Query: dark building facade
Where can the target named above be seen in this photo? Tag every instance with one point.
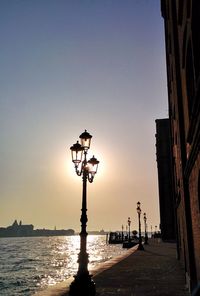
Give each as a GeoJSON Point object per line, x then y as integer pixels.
{"type": "Point", "coordinates": [182, 39]}
{"type": "Point", "coordinates": [164, 165]}
{"type": "Point", "coordinates": [21, 230]}
{"type": "Point", "coordinates": [17, 229]}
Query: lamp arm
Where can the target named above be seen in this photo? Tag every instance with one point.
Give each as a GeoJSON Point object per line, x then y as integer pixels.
{"type": "Point", "coordinates": [79, 172]}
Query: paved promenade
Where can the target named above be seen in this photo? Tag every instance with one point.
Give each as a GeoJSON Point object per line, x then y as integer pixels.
{"type": "Point", "coordinates": [152, 272]}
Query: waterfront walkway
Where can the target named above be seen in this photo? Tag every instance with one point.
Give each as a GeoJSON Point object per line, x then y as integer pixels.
{"type": "Point", "coordinates": [152, 272]}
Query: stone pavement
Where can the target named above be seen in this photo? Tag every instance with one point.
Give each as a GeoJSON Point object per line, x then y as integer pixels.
{"type": "Point", "coordinates": [152, 272]}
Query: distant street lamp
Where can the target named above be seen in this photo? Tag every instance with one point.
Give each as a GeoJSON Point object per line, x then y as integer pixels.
{"type": "Point", "coordinates": [122, 232]}
{"type": "Point", "coordinates": [129, 224]}
{"type": "Point", "coordinates": [145, 229]}
{"type": "Point", "coordinates": [83, 284]}
{"type": "Point", "coordinates": [140, 247]}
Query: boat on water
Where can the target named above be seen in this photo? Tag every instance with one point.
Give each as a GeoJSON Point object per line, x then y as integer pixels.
{"type": "Point", "coordinates": [125, 240]}
{"type": "Point", "coordinates": [115, 238]}
{"type": "Point", "coordinates": [129, 244]}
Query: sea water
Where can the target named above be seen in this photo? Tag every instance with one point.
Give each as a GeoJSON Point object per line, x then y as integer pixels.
{"type": "Point", "coordinates": [30, 264]}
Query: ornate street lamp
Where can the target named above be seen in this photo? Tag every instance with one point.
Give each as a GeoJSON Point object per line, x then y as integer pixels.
{"type": "Point", "coordinates": [145, 229]}
{"type": "Point", "coordinates": [140, 247]}
{"type": "Point", "coordinates": [129, 224]}
{"type": "Point", "coordinates": [122, 232]}
{"type": "Point", "coordinates": [83, 284]}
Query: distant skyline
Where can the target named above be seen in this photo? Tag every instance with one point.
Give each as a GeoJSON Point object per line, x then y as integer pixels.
{"type": "Point", "coordinates": [67, 66]}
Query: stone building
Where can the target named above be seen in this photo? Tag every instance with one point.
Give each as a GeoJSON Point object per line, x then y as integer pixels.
{"type": "Point", "coordinates": [17, 230]}
{"type": "Point", "coordinates": [164, 165]}
{"type": "Point", "coordinates": [182, 39]}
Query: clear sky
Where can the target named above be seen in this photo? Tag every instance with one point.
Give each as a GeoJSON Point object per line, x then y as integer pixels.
{"type": "Point", "coordinates": [67, 66]}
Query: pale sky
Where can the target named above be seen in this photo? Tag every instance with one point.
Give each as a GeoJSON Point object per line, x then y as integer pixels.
{"type": "Point", "coordinates": [67, 66]}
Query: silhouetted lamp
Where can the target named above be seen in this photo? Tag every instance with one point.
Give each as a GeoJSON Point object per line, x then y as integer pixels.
{"type": "Point", "coordinates": [85, 138]}
{"type": "Point", "coordinates": [122, 232]}
{"type": "Point", "coordinates": [129, 224]}
{"type": "Point", "coordinates": [83, 284]}
{"type": "Point", "coordinates": [139, 211]}
{"type": "Point", "coordinates": [145, 230]}
{"type": "Point", "coordinates": [77, 152]}
{"type": "Point", "coordinates": [92, 166]}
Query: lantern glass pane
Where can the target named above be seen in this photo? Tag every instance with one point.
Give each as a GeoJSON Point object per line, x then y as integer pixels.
{"type": "Point", "coordinates": [76, 156]}
{"type": "Point", "coordinates": [94, 168]}
{"type": "Point", "coordinates": [86, 143]}
{"type": "Point", "coordinates": [85, 138]}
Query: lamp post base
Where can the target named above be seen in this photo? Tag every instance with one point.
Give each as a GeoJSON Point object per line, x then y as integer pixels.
{"type": "Point", "coordinates": [140, 247]}
{"type": "Point", "coordinates": [82, 285]}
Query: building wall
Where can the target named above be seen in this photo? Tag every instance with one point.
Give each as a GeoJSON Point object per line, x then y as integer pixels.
{"type": "Point", "coordinates": [182, 39]}
{"type": "Point", "coordinates": [164, 165]}
{"type": "Point", "coordinates": [194, 188]}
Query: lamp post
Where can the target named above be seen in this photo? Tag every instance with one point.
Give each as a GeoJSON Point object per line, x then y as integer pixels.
{"type": "Point", "coordinates": [83, 284]}
{"type": "Point", "coordinates": [122, 232]}
{"type": "Point", "coordinates": [129, 224]}
{"type": "Point", "coordinates": [145, 229]}
{"type": "Point", "coordinates": [140, 247]}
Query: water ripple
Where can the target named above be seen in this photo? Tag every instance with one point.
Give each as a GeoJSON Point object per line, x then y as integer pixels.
{"type": "Point", "coordinates": [31, 264]}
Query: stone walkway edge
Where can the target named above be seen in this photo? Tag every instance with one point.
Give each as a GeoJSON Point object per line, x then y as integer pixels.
{"type": "Point", "coordinates": [63, 287]}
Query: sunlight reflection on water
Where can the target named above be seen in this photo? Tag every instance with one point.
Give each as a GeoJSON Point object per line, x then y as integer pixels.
{"type": "Point", "coordinates": [32, 263]}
